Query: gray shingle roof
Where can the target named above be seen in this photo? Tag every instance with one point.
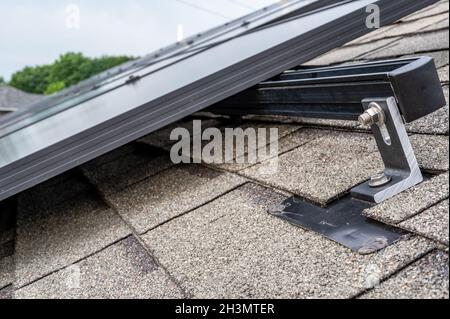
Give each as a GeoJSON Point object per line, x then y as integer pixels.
{"type": "Point", "coordinates": [12, 98]}
{"type": "Point", "coordinates": [132, 224]}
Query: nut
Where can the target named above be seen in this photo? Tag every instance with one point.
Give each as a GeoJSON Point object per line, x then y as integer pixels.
{"type": "Point", "coordinates": [373, 115]}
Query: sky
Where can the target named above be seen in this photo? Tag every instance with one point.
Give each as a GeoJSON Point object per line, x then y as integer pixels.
{"type": "Point", "coordinates": [37, 32]}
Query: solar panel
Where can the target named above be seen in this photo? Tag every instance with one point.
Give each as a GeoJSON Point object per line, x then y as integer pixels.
{"type": "Point", "coordinates": [128, 102]}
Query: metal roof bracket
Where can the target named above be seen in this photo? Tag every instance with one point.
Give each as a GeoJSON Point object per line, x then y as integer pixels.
{"type": "Point", "coordinates": [401, 167]}
{"type": "Point", "coordinates": [342, 220]}
{"type": "Point", "coordinates": [382, 94]}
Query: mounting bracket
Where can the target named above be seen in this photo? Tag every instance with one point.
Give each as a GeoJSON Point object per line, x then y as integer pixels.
{"type": "Point", "coordinates": [343, 221]}
{"type": "Point", "coordinates": [392, 92]}
{"type": "Point", "coordinates": [401, 167]}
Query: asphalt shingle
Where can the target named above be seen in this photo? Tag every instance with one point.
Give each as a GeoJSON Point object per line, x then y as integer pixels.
{"type": "Point", "coordinates": [140, 162]}
{"type": "Point", "coordinates": [242, 154]}
{"type": "Point", "coordinates": [403, 28]}
{"type": "Point", "coordinates": [443, 24]}
{"type": "Point", "coordinates": [285, 144]}
{"type": "Point", "coordinates": [440, 57]}
{"type": "Point", "coordinates": [325, 168]}
{"type": "Point", "coordinates": [171, 193]}
{"type": "Point", "coordinates": [54, 191]}
{"type": "Point", "coordinates": [425, 279]}
{"type": "Point", "coordinates": [6, 293]}
{"type": "Point", "coordinates": [6, 271]}
{"type": "Point", "coordinates": [7, 234]}
{"type": "Point", "coordinates": [437, 8]}
{"type": "Point", "coordinates": [425, 42]}
{"type": "Point", "coordinates": [432, 223]}
{"type": "Point", "coordinates": [13, 98]}
{"type": "Point", "coordinates": [5, 237]}
{"type": "Point", "coordinates": [443, 74]}
{"type": "Point", "coordinates": [7, 222]}
{"type": "Point", "coordinates": [348, 53]}
{"type": "Point", "coordinates": [412, 201]}
{"type": "Point", "coordinates": [431, 152]}
{"type": "Point", "coordinates": [7, 246]}
{"type": "Point", "coordinates": [161, 138]}
{"type": "Point", "coordinates": [304, 121]}
{"type": "Point", "coordinates": [232, 248]}
{"type": "Point", "coordinates": [122, 271]}
{"type": "Point", "coordinates": [53, 237]}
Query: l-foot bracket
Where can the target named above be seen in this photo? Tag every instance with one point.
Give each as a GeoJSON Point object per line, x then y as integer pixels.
{"type": "Point", "coordinates": [401, 168]}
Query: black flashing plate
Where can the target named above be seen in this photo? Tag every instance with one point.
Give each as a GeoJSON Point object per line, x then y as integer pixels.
{"type": "Point", "coordinates": [342, 221]}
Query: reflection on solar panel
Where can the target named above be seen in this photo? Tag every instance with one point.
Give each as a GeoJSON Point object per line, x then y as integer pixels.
{"type": "Point", "coordinates": [125, 103]}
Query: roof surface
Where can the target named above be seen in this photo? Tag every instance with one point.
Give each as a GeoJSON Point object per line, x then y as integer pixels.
{"type": "Point", "coordinates": [12, 98]}
{"type": "Point", "coordinates": [131, 224]}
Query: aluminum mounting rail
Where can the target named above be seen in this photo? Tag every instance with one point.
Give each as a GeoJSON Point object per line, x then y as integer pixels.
{"type": "Point", "coordinates": [82, 123]}
{"type": "Point", "coordinates": [337, 92]}
{"type": "Point", "coordinates": [383, 94]}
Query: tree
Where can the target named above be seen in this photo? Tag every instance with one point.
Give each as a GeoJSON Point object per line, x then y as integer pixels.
{"type": "Point", "coordinates": [67, 70]}
{"type": "Point", "coordinates": [32, 79]}
{"type": "Point", "coordinates": [70, 69]}
{"type": "Point", "coordinates": [2, 81]}
{"type": "Point", "coordinates": [55, 87]}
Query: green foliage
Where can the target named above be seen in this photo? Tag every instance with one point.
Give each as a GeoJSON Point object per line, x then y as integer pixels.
{"type": "Point", "coordinates": [55, 87]}
{"type": "Point", "coordinates": [69, 69]}
{"type": "Point", "coordinates": [2, 80]}
{"type": "Point", "coordinates": [31, 79]}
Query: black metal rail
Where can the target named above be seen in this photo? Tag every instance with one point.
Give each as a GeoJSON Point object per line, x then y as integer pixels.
{"type": "Point", "coordinates": [337, 92]}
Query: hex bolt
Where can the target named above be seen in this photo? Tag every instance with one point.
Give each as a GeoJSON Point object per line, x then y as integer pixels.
{"type": "Point", "coordinates": [373, 115]}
